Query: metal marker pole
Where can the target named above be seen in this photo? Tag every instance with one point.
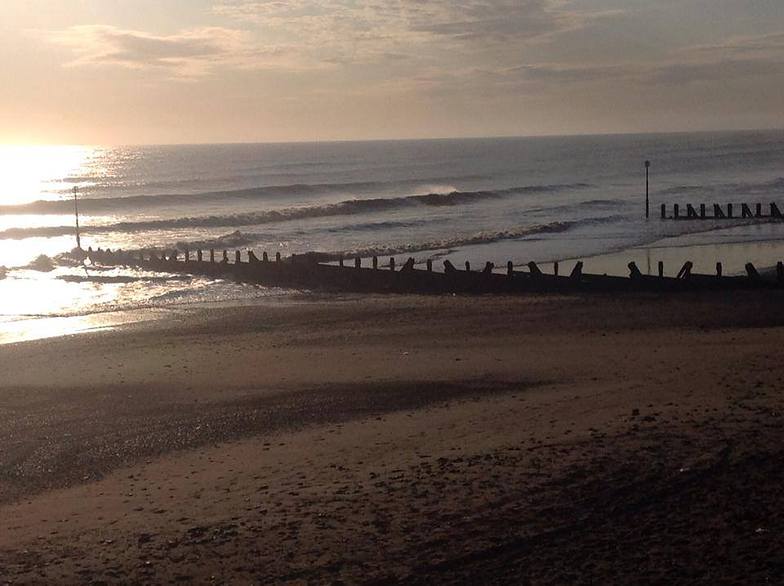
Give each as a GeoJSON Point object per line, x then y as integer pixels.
{"type": "Point", "coordinates": [647, 205]}
{"type": "Point", "coordinates": [76, 213]}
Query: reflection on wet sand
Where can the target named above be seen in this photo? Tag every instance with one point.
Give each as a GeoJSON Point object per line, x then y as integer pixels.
{"type": "Point", "coordinates": [24, 329]}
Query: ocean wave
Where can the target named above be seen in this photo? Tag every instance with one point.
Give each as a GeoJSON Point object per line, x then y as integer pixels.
{"type": "Point", "coordinates": [243, 239]}
{"type": "Point", "coordinates": [484, 237]}
{"type": "Point", "coordinates": [96, 205]}
{"type": "Point", "coordinates": [231, 240]}
{"type": "Point", "coordinates": [770, 187]}
{"type": "Point", "coordinates": [347, 207]}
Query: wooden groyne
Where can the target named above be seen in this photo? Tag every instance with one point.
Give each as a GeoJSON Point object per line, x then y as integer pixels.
{"type": "Point", "coordinates": [311, 271]}
{"type": "Point", "coordinates": [721, 212]}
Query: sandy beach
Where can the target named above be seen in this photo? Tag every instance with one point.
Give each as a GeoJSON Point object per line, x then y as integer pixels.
{"type": "Point", "coordinates": [542, 440]}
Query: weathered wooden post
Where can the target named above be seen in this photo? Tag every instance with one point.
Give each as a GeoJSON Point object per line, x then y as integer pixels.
{"type": "Point", "coordinates": [577, 271]}
{"type": "Point", "coordinates": [392, 263]}
{"type": "Point", "coordinates": [702, 211]}
{"type": "Point", "coordinates": [277, 257]}
{"type": "Point", "coordinates": [555, 268]}
{"type": "Point", "coordinates": [780, 272]}
{"type": "Point", "coordinates": [510, 268]}
{"type": "Point", "coordinates": [717, 211]}
{"type": "Point", "coordinates": [729, 210]}
{"type": "Point", "coordinates": [375, 263]}
{"type": "Point", "coordinates": [745, 211]}
{"type": "Point", "coordinates": [663, 211]}
{"type": "Point", "coordinates": [212, 255]}
{"type": "Point", "coordinates": [357, 263]}
{"type": "Point", "coordinates": [661, 268]}
{"type": "Point", "coordinates": [429, 265]}
{"type": "Point", "coordinates": [751, 271]}
{"type": "Point", "coordinates": [675, 211]}
{"type": "Point", "coordinates": [758, 210]}
{"type": "Point", "coordinates": [468, 266]}
{"type": "Point", "coordinates": [685, 271]}
{"type": "Point", "coordinates": [533, 268]}
{"type": "Point", "coordinates": [340, 261]}
{"type": "Point", "coordinates": [718, 269]}
{"type": "Point", "coordinates": [775, 212]}
{"type": "Point", "coordinates": [252, 257]}
{"type": "Point", "coordinates": [237, 257]}
{"type": "Point", "coordinates": [199, 255]}
{"type": "Point", "coordinates": [187, 255]}
{"type": "Point", "coordinates": [264, 256]}
{"type": "Point", "coordinates": [634, 272]}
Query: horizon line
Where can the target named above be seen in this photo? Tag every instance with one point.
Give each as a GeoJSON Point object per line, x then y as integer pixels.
{"type": "Point", "coordinates": [400, 139]}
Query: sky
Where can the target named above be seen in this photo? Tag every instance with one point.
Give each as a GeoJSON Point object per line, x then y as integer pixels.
{"type": "Point", "coordinates": [201, 71]}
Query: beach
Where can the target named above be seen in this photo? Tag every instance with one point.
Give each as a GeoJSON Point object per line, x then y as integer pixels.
{"type": "Point", "coordinates": [378, 439]}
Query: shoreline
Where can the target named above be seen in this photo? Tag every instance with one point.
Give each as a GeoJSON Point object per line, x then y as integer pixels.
{"type": "Point", "coordinates": [672, 250]}
{"type": "Point", "coordinates": [402, 438]}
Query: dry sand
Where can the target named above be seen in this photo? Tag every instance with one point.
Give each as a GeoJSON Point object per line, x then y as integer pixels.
{"type": "Point", "coordinates": [542, 440]}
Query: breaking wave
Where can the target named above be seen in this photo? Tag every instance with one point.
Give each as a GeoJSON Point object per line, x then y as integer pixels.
{"type": "Point", "coordinates": [240, 239]}
{"type": "Point", "coordinates": [347, 207]}
{"type": "Point", "coordinates": [97, 205]}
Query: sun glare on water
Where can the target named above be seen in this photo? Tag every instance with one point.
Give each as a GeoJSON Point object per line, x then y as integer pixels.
{"type": "Point", "coordinates": [30, 173]}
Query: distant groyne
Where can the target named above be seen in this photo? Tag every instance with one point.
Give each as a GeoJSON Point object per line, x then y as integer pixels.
{"type": "Point", "coordinates": [717, 211]}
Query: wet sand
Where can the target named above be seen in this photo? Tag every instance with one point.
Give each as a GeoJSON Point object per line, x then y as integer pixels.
{"type": "Point", "coordinates": [543, 440]}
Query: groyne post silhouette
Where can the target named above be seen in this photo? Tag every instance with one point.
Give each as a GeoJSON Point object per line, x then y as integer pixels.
{"type": "Point", "coordinates": [722, 212]}
{"type": "Point", "coordinates": [320, 272]}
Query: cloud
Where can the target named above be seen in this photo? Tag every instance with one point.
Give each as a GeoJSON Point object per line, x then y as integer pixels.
{"type": "Point", "coordinates": [666, 73]}
{"type": "Point", "coordinates": [351, 31]}
{"type": "Point", "coordinates": [768, 45]}
{"type": "Point", "coordinates": [186, 54]}
{"type": "Point", "coordinates": [573, 74]}
{"type": "Point", "coordinates": [400, 38]}
{"type": "Point", "coordinates": [715, 71]}
{"type": "Point", "coordinates": [738, 58]}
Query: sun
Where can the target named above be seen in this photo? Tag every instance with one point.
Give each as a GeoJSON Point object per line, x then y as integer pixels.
{"type": "Point", "coordinates": [30, 173]}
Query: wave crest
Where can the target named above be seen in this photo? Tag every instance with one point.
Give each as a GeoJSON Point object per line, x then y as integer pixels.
{"type": "Point", "coordinates": [347, 207]}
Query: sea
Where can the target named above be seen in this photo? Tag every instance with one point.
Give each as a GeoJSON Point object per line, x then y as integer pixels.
{"type": "Point", "coordinates": [542, 199]}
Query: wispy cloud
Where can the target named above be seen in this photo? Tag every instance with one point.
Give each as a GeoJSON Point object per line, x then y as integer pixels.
{"type": "Point", "coordinates": [412, 45]}
{"type": "Point", "coordinates": [347, 31]}
{"type": "Point", "coordinates": [187, 54]}
{"type": "Point", "coordinates": [735, 59]}
{"type": "Point", "coordinates": [767, 45]}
